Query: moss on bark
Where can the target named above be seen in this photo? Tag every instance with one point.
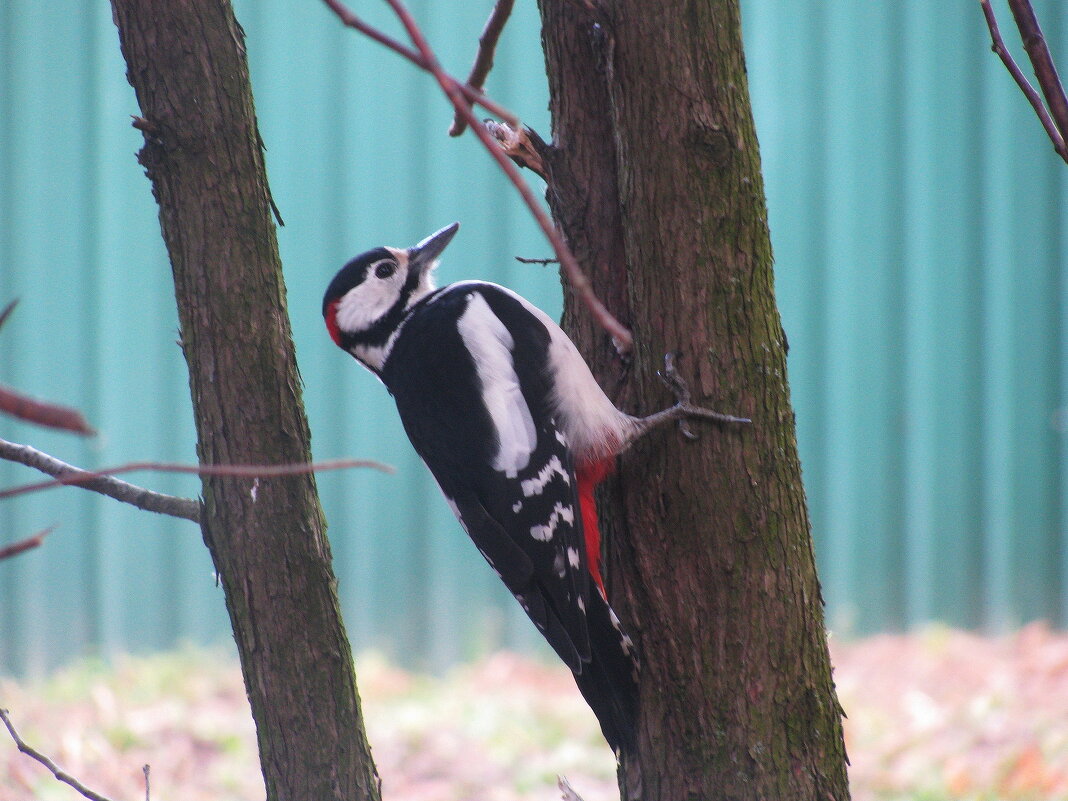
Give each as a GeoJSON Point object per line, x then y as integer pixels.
{"type": "Point", "coordinates": [186, 61]}
{"type": "Point", "coordinates": [655, 179]}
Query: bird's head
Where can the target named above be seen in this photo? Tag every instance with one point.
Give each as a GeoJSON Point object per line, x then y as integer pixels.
{"type": "Point", "coordinates": [370, 296]}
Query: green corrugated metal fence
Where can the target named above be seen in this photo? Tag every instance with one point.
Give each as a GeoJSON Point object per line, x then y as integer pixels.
{"type": "Point", "coordinates": [919, 221]}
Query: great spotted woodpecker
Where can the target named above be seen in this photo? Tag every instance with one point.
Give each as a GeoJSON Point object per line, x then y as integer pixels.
{"type": "Point", "coordinates": [508, 417]}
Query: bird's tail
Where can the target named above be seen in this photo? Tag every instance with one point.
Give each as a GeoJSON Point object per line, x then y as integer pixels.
{"type": "Point", "coordinates": [609, 681]}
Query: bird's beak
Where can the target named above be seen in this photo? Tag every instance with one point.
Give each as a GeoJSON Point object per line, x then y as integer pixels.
{"type": "Point", "coordinates": [421, 257]}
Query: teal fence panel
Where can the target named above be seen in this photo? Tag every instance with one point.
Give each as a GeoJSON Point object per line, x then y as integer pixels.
{"type": "Point", "coordinates": [918, 217]}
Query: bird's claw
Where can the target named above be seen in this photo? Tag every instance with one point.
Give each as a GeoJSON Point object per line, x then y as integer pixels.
{"type": "Point", "coordinates": [681, 390]}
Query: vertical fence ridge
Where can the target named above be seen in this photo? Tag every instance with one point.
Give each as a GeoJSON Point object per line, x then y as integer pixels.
{"type": "Point", "coordinates": [919, 223]}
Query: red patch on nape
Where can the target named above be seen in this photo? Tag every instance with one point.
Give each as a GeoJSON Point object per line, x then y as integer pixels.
{"type": "Point", "coordinates": [589, 475]}
{"type": "Point", "coordinates": [331, 322]}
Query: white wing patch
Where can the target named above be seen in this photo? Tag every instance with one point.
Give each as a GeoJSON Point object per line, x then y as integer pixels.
{"type": "Point", "coordinates": [589, 421]}
{"type": "Point", "coordinates": [560, 512]}
{"type": "Point", "coordinates": [489, 342]}
{"type": "Point", "coordinates": [535, 486]}
{"type": "Point", "coordinates": [573, 557]}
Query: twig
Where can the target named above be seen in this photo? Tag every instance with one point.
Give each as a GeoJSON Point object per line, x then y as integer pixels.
{"type": "Point", "coordinates": [102, 481]}
{"type": "Point", "coordinates": [351, 20]}
{"type": "Point", "coordinates": [567, 792]}
{"type": "Point", "coordinates": [1050, 75]}
{"type": "Point", "coordinates": [28, 544]}
{"type": "Point", "coordinates": [146, 770]}
{"type": "Point", "coordinates": [522, 260]}
{"type": "Point", "coordinates": [60, 775]}
{"type": "Point", "coordinates": [43, 413]}
{"type": "Point", "coordinates": [7, 311]}
{"type": "Point", "coordinates": [487, 45]}
{"type": "Point", "coordinates": [580, 284]}
{"type": "Point", "coordinates": [1034, 43]}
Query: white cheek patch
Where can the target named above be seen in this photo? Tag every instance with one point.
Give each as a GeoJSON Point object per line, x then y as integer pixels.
{"type": "Point", "coordinates": [365, 304]}
{"type": "Point", "coordinates": [490, 345]}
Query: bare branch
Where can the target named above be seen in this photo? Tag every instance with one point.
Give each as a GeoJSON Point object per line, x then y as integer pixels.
{"type": "Point", "coordinates": [100, 481]}
{"type": "Point", "coordinates": [60, 775]}
{"type": "Point", "coordinates": [580, 284]}
{"type": "Point", "coordinates": [567, 792]}
{"type": "Point", "coordinates": [7, 311]}
{"type": "Point", "coordinates": [1033, 97]}
{"type": "Point", "coordinates": [487, 45]}
{"type": "Point", "coordinates": [43, 413]}
{"type": "Point", "coordinates": [28, 544]}
{"type": "Point", "coordinates": [523, 260]}
{"type": "Point", "coordinates": [473, 96]}
{"type": "Point", "coordinates": [1034, 43]}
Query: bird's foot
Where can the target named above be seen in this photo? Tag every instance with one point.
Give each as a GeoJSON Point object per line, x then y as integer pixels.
{"type": "Point", "coordinates": [683, 408]}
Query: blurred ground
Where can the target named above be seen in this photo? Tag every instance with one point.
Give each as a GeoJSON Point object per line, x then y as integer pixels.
{"type": "Point", "coordinates": [936, 715]}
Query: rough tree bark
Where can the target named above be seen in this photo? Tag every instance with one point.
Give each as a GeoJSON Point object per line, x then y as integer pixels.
{"type": "Point", "coordinates": [654, 177]}
{"type": "Point", "coordinates": [186, 61]}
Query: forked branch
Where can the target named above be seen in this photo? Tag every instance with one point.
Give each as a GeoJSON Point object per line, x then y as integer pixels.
{"type": "Point", "coordinates": [460, 96]}
{"type": "Point", "coordinates": [1054, 118]}
{"type": "Point", "coordinates": [351, 20]}
{"type": "Point", "coordinates": [487, 46]}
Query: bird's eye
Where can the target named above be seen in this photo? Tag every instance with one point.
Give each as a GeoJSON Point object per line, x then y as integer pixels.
{"type": "Point", "coordinates": [384, 269]}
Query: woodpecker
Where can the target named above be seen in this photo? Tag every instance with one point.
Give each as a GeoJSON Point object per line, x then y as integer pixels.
{"type": "Point", "coordinates": [507, 416]}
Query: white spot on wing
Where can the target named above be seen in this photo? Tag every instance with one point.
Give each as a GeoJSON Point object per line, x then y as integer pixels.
{"type": "Point", "coordinates": [534, 486]}
{"type": "Point", "coordinates": [573, 557]}
{"type": "Point", "coordinates": [625, 642]}
{"type": "Point", "coordinates": [558, 564]}
{"type": "Point", "coordinates": [560, 512]}
{"type": "Point", "coordinates": [490, 344]}
{"type": "Point", "coordinates": [517, 507]}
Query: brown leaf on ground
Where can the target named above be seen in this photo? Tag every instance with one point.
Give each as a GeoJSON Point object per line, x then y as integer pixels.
{"type": "Point", "coordinates": [937, 715]}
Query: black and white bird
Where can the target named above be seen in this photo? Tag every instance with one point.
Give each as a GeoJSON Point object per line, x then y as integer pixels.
{"type": "Point", "coordinates": [508, 417]}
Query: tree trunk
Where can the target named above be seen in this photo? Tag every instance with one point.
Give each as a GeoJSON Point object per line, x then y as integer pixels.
{"type": "Point", "coordinates": [186, 61]}
{"type": "Point", "coordinates": [655, 179]}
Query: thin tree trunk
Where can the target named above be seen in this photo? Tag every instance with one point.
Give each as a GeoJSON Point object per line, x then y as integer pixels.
{"type": "Point", "coordinates": [655, 179]}
{"type": "Point", "coordinates": [186, 61]}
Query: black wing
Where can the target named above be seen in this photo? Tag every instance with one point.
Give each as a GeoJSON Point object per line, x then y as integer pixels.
{"type": "Point", "coordinates": [526, 524]}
